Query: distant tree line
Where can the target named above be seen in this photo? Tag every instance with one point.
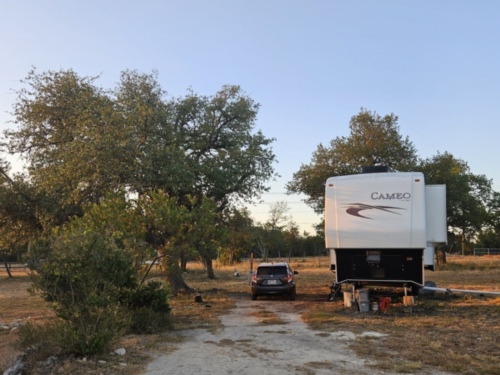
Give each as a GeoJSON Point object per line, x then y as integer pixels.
{"type": "Point", "coordinates": [278, 238]}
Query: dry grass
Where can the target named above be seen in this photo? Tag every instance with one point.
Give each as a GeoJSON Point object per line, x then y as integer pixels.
{"type": "Point", "coordinates": [319, 365]}
{"type": "Point", "coordinates": [304, 370]}
{"type": "Point", "coordinates": [130, 364]}
{"type": "Point", "coordinates": [314, 271]}
{"type": "Point", "coordinates": [459, 334]}
{"type": "Point", "coordinates": [17, 304]}
{"type": "Point", "coordinates": [267, 317]}
{"type": "Point", "coordinates": [188, 314]}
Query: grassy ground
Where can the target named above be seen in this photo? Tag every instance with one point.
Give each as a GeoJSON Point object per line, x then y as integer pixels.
{"type": "Point", "coordinates": [459, 334]}
{"type": "Point", "coordinates": [453, 333]}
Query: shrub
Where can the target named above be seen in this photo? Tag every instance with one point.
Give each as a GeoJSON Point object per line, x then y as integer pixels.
{"type": "Point", "coordinates": [49, 338]}
{"type": "Point", "coordinates": [32, 334]}
{"type": "Point", "coordinates": [150, 308]}
{"type": "Point", "coordinates": [84, 277]}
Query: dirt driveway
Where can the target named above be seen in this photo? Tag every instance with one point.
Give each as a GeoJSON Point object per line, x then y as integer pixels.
{"type": "Point", "coordinates": [247, 346]}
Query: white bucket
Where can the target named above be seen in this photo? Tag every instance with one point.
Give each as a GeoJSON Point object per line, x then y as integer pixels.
{"type": "Point", "coordinates": [374, 306]}
{"type": "Point", "coordinates": [347, 299]}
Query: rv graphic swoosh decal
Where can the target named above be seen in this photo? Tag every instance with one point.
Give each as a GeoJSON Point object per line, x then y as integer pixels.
{"type": "Point", "coordinates": [354, 209]}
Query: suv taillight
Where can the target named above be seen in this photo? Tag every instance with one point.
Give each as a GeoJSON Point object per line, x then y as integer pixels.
{"type": "Point", "coordinates": [254, 278]}
{"type": "Point", "coordinates": [287, 279]}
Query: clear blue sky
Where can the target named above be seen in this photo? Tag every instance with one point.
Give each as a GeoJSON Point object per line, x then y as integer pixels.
{"type": "Point", "coordinates": [311, 64]}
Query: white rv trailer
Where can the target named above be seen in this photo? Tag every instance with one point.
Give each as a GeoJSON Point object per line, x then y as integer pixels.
{"type": "Point", "coordinates": [381, 227]}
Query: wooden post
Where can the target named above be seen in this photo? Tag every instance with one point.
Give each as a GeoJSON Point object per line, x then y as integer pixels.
{"type": "Point", "coordinates": [251, 261]}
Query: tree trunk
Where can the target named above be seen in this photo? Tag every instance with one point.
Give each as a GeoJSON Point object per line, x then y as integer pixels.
{"type": "Point", "coordinates": [174, 276]}
{"type": "Point", "coordinates": [210, 269]}
{"type": "Point", "coordinates": [463, 242]}
{"type": "Point", "coordinates": [183, 264]}
{"type": "Point", "coordinates": [231, 255]}
{"type": "Point", "coordinates": [7, 268]}
{"type": "Point", "coordinates": [441, 256]}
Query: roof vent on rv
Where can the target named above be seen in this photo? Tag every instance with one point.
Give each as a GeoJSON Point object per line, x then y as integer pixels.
{"type": "Point", "coordinates": [376, 169]}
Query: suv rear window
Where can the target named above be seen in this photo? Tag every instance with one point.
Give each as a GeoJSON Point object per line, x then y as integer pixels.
{"type": "Point", "coordinates": [271, 271]}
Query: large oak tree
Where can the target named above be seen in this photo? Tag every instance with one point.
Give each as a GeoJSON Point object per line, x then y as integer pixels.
{"type": "Point", "coordinates": [81, 141]}
{"type": "Point", "coordinates": [373, 140]}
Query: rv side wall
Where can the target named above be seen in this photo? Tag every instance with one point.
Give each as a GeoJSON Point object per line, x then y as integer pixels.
{"type": "Point", "coordinates": [375, 211]}
{"type": "Point", "coordinates": [435, 207]}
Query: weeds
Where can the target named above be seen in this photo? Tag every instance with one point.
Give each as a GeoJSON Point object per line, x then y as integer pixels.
{"type": "Point", "coordinates": [407, 367]}
{"type": "Point", "coordinates": [320, 365]}
{"type": "Point", "coordinates": [187, 314]}
{"type": "Point", "coordinates": [268, 318]}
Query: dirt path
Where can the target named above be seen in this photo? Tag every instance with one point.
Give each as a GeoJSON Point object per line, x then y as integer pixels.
{"type": "Point", "coordinates": [245, 346]}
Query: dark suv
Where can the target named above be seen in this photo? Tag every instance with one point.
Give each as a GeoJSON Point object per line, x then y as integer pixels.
{"type": "Point", "coordinates": [274, 278]}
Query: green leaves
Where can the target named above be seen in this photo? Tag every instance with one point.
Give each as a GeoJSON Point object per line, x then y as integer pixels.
{"type": "Point", "coordinates": [82, 141]}
{"type": "Point", "coordinates": [373, 140]}
{"type": "Point", "coordinates": [84, 278]}
{"type": "Point", "coordinates": [471, 202]}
